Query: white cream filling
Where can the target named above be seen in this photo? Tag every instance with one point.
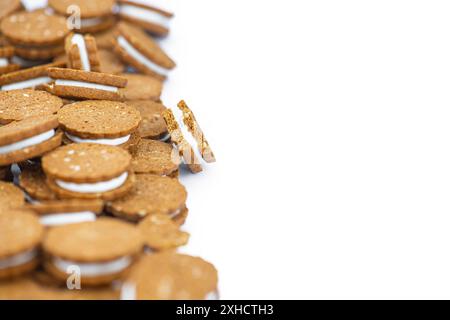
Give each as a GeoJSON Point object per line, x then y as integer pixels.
{"type": "Point", "coordinates": [94, 269]}
{"type": "Point", "coordinates": [4, 62]}
{"type": "Point", "coordinates": [97, 187]}
{"type": "Point", "coordinates": [31, 83]}
{"type": "Point", "coordinates": [90, 22]}
{"type": "Point", "coordinates": [78, 40]}
{"type": "Point", "coordinates": [18, 259]}
{"type": "Point", "coordinates": [135, 54]}
{"type": "Point", "coordinates": [82, 84]}
{"type": "Point", "coordinates": [144, 14]}
{"type": "Point", "coordinates": [56, 219]}
{"type": "Point", "coordinates": [165, 138]}
{"type": "Point", "coordinates": [27, 142]}
{"type": "Point", "coordinates": [109, 142]}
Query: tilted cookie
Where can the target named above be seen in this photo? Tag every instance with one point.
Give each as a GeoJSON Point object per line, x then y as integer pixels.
{"type": "Point", "coordinates": [32, 179]}
{"type": "Point", "coordinates": [150, 18]}
{"type": "Point", "coordinates": [28, 138]}
{"type": "Point", "coordinates": [82, 54]}
{"type": "Point", "coordinates": [103, 250]}
{"type": "Point", "coordinates": [103, 122]}
{"type": "Point", "coordinates": [88, 171]}
{"type": "Point", "coordinates": [141, 52]}
{"type": "Point", "coordinates": [141, 87]}
{"type": "Point", "coordinates": [152, 125]}
{"type": "Point", "coordinates": [84, 85]}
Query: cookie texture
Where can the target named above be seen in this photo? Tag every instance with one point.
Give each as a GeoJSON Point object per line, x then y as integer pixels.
{"type": "Point", "coordinates": [29, 127]}
{"type": "Point", "coordinates": [29, 73]}
{"type": "Point", "coordinates": [152, 125]}
{"type": "Point", "coordinates": [74, 60]}
{"type": "Point", "coordinates": [160, 232]}
{"type": "Point", "coordinates": [34, 28]}
{"type": "Point", "coordinates": [17, 105]}
{"type": "Point", "coordinates": [86, 162]}
{"type": "Point", "coordinates": [63, 206]}
{"type": "Point", "coordinates": [10, 196]}
{"type": "Point", "coordinates": [154, 157]}
{"type": "Point", "coordinates": [9, 6]}
{"type": "Point", "coordinates": [99, 119]}
{"type": "Point", "coordinates": [88, 8]}
{"type": "Point", "coordinates": [105, 39]}
{"type": "Point", "coordinates": [85, 76]}
{"type": "Point", "coordinates": [33, 180]}
{"type": "Point", "coordinates": [151, 194]}
{"type": "Point", "coordinates": [141, 87]}
{"type": "Point", "coordinates": [109, 62]}
{"type": "Point", "coordinates": [39, 53]}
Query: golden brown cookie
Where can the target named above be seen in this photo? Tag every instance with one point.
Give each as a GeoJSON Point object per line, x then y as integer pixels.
{"type": "Point", "coordinates": [20, 236]}
{"type": "Point", "coordinates": [182, 277]}
{"type": "Point", "coordinates": [155, 157]}
{"type": "Point", "coordinates": [152, 125]}
{"type": "Point", "coordinates": [105, 39]}
{"type": "Point", "coordinates": [160, 233]}
{"type": "Point", "coordinates": [110, 63]}
{"type": "Point", "coordinates": [141, 87]}
{"type": "Point", "coordinates": [82, 52]}
{"type": "Point", "coordinates": [140, 51]}
{"type": "Point", "coordinates": [78, 84]}
{"type": "Point", "coordinates": [28, 138]}
{"type": "Point", "coordinates": [88, 8]}
{"type": "Point", "coordinates": [9, 6]}
{"type": "Point", "coordinates": [104, 250]}
{"type": "Point", "coordinates": [88, 171]}
{"type": "Point", "coordinates": [102, 122]}
{"type": "Point", "coordinates": [38, 53]}
{"type": "Point", "coordinates": [10, 196]}
{"type": "Point", "coordinates": [6, 65]}
{"type": "Point", "coordinates": [151, 194]}
{"type": "Point", "coordinates": [20, 104]}
{"type": "Point", "coordinates": [33, 180]}
{"type": "Point", "coordinates": [150, 18]}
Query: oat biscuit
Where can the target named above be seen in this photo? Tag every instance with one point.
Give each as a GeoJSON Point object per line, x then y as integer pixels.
{"type": "Point", "coordinates": [10, 196]}
{"type": "Point", "coordinates": [9, 6]}
{"type": "Point", "coordinates": [82, 52]}
{"type": "Point", "coordinates": [141, 87]}
{"type": "Point", "coordinates": [6, 65]}
{"type": "Point", "coordinates": [155, 157]}
{"type": "Point", "coordinates": [152, 125]}
{"type": "Point", "coordinates": [32, 179]}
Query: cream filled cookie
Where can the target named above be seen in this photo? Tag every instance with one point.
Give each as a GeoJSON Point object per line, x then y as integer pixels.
{"type": "Point", "coordinates": [82, 54]}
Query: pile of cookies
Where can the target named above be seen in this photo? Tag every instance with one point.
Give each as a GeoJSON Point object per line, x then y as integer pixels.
{"type": "Point", "coordinates": [91, 206]}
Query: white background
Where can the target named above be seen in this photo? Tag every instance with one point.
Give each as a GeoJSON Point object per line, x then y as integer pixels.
{"type": "Point", "coordinates": [331, 125]}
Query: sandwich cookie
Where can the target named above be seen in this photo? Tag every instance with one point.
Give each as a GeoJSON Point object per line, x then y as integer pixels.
{"type": "Point", "coordinates": [9, 6]}
{"type": "Point", "coordinates": [88, 171]}
{"type": "Point", "coordinates": [34, 77]}
{"type": "Point", "coordinates": [20, 236]}
{"type": "Point", "coordinates": [56, 213]}
{"type": "Point", "coordinates": [160, 233]}
{"type": "Point", "coordinates": [17, 105]}
{"type": "Point", "coordinates": [104, 250]}
{"type": "Point", "coordinates": [151, 194]}
{"type": "Point", "coordinates": [110, 63]}
{"type": "Point", "coordinates": [152, 19]}
{"type": "Point", "coordinates": [85, 85]}
{"type": "Point", "coordinates": [152, 125]}
{"type": "Point", "coordinates": [155, 157]}
{"type": "Point", "coordinates": [104, 122]}
{"type": "Point", "coordinates": [6, 65]}
{"type": "Point", "coordinates": [28, 138]}
{"type": "Point", "coordinates": [10, 196]}
{"type": "Point", "coordinates": [171, 276]}
{"type": "Point", "coordinates": [141, 87]}
{"type": "Point", "coordinates": [32, 179]}
{"type": "Point", "coordinates": [106, 38]}
{"type": "Point", "coordinates": [82, 52]}
{"type": "Point", "coordinates": [95, 15]}
{"type": "Point", "coordinates": [140, 51]}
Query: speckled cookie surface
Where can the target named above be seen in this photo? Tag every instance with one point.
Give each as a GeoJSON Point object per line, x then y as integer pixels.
{"type": "Point", "coordinates": [10, 196]}
{"type": "Point", "coordinates": [102, 240]}
{"type": "Point", "coordinates": [29, 127]}
{"type": "Point", "coordinates": [141, 87]}
{"type": "Point", "coordinates": [86, 162]}
{"type": "Point", "coordinates": [19, 231]}
{"type": "Point", "coordinates": [9, 6]}
{"type": "Point", "coordinates": [34, 28]}
{"type": "Point", "coordinates": [160, 232]}
{"type": "Point", "coordinates": [152, 125]}
{"type": "Point", "coordinates": [26, 74]}
{"type": "Point", "coordinates": [33, 180]}
{"type": "Point", "coordinates": [86, 76]}
{"type": "Point", "coordinates": [155, 157]}
{"type": "Point", "coordinates": [151, 194]}
{"type": "Point", "coordinates": [99, 119]}
{"type": "Point", "coordinates": [20, 104]}
{"type": "Point", "coordinates": [171, 276]}
{"type": "Point", "coordinates": [88, 8]}
{"type": "Point", "coordinates": [105, 39]}
{"type": "Point", "coordinates": [109, 62]}
{"type": "Point", "coordinates": [66, 206]}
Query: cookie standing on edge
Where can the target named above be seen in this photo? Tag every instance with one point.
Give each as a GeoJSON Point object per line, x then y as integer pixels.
{"type": "Point", "coordinates": [33, 77]}
{"type": "Point", "coordinates": [190, 278]}
{"type": "Point", "coordinates": [151, 194]}
{"type": "Point", "coordinates": [141, 52]}
{"type": "Point", "coordinates": [20, 236]}
{"type": "Point", "coordinates": [20, 104]}
{"type": "Point", "coordinates": [152, 125]}
{"type": "Point", "coordinates": [88, 171]}
{"type": "Point", "coordinates": [6, 65]}
{"type": "Point", "coordinates": [82, 52]}
{"type": "Point", "coordinates": [78, 84]}
{"type": "Point", "coordinates": [150, 18]}
{"type": "Point", "coordinates": [56, 213]}
{"type": "Point", "coordinates": [141, 87]}
{"type": "Point", "coordinates": [28, 138]}
{"type": "Point", "coordinates": [103, 122]}
{"type": "Point", "coordinates": [103, 250]}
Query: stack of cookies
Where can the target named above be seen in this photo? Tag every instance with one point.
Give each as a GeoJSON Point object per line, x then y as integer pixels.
{"type": "Point", "coordinates": [91, 205]}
